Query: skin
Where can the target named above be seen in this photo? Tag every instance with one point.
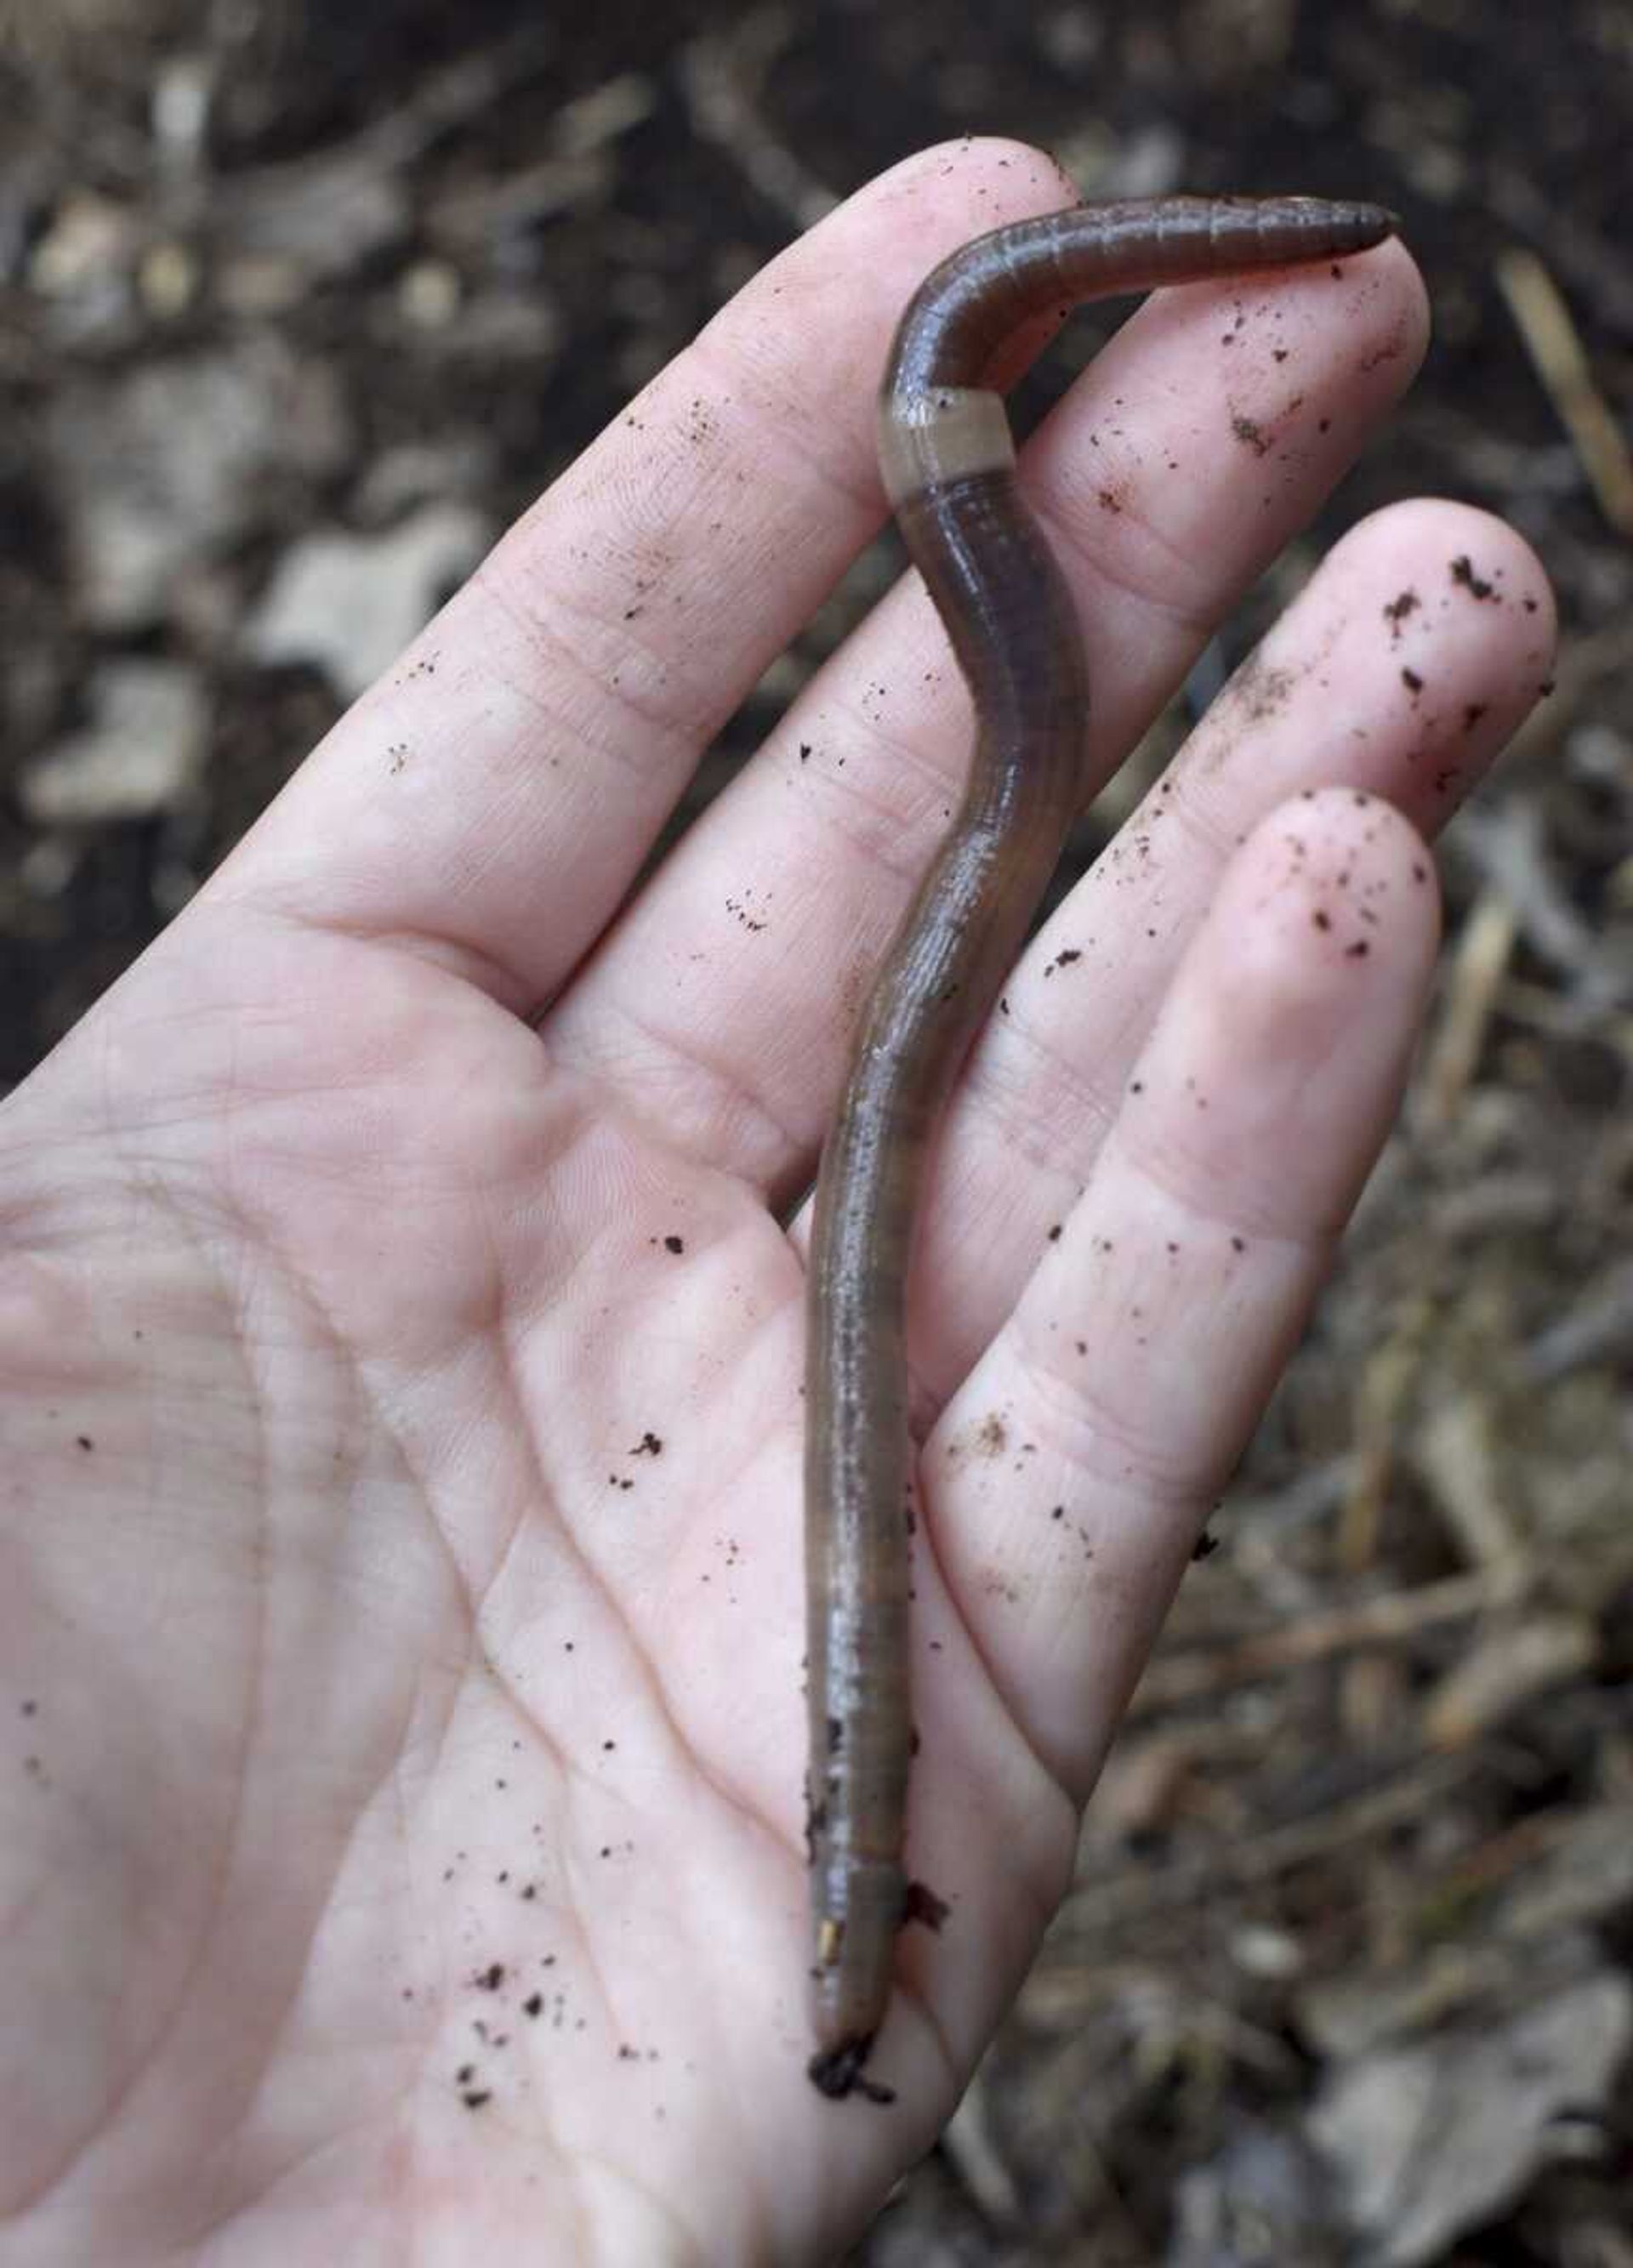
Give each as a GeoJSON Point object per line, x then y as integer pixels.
{"type": "Point", "coordinates": [352, 1260]}
{"type": "Point", "coordinates": [949, 467]}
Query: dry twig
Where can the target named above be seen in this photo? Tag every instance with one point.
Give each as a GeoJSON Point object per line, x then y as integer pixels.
{"type": "Point", "coordinates": [1555, 348]}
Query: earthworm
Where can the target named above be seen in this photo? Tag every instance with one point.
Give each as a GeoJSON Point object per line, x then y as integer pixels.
{"type": "Point", "coordinates": [947, 461]}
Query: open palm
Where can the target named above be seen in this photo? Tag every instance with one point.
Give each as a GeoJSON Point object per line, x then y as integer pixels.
{"type": "Point", "coordinates": [401, 1338]}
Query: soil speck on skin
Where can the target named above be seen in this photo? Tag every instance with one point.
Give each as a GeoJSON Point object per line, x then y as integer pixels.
{"type": "Point", "coordinates": [1463, 574]}
{"type": "Point", "coordinates": [923, 1907]}
{"type": "Point", "coordinates": [1261, 689]}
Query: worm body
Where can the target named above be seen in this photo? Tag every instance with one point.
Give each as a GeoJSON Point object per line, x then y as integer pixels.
{"type": "Point", "coordinates": [948, 461]}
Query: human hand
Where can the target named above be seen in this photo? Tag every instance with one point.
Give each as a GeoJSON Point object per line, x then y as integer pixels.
{"type": "Point", "coordinates": [400, 1347]}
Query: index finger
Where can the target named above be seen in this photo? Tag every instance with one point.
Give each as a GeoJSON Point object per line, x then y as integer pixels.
{"type": "Point", "coordinates": [496, 792]}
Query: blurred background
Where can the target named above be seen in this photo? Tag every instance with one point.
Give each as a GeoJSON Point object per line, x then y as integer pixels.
{"type": "Point", "coordinates": [300, 307]}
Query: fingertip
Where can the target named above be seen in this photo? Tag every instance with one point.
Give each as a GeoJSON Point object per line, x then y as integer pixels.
{"type": "Point", "coordinates": [1346, 876]}
{"type": "Point", "coordinates": [983, 159]}
{"type": "Point", "coordinates": [1404, 665]}
{"type": "Point", "coordinates": [1465, 620]}
{"type": "Point", "coordinates": [1390, 268]}
{"type": "Point", "coordinates": [956, 191]}
{"type": "Point", "coordinates": [1297, 1004]}
{"type": "Point", "coordinates": [1429, 528]}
